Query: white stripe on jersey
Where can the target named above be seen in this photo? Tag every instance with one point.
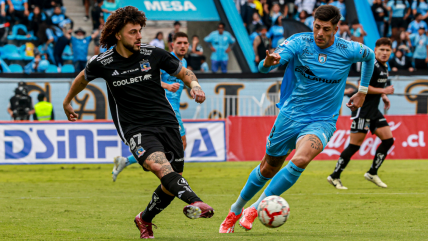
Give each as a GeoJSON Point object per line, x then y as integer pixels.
{"type": "Point", "coordinates": [118, 120]}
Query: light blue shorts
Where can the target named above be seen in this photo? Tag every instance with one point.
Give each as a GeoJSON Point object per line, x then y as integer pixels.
{"type": "Point", "coordinates": [286, 132]}
{"type": "Point", "coordinates": [180, 123]}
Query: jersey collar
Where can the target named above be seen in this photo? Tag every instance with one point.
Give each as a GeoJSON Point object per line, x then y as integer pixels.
{"type": "Point", "coordinates": [332, 47]}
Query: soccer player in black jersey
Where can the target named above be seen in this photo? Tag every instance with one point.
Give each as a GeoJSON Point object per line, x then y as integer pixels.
{"type": "Point", "coordinates": [142, 115]}
{"type": "Point", "coordinates": [368, 117]}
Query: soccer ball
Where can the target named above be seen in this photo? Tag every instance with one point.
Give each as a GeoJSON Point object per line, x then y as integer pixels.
{"type": "Point", "coordinates": [273, 211]}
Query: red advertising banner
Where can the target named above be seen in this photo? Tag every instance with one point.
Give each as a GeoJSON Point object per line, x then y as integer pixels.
{"type": "Point", "coordinates": [247, 137]}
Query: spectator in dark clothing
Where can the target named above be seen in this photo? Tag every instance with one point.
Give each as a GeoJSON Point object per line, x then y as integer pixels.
{"type": "Point", "coordinates": [18, 10]}
{"type": "Point", "coordinates": [379, 13]}
{"type": "Point", "coordinates": [261, 44]}
{"type": "Point", "coordinates": [57, 17]}
{"type": "Point", "coordinates": [48, 6]}
{"type": "Point", "coordinates": [37, 24]}
{"type": "Point", "coordinates": [97, 14]}
{"type": "Point", "coordinates": [253, 25]}
{"type": "Point", "coordinates": [400, 62]}
{"type": "Point", "coordinates": [57, 35]}
{"type": "Point", "coordinates": [247, 10]}
{"type": "Point", "coordinates": [177, 26]}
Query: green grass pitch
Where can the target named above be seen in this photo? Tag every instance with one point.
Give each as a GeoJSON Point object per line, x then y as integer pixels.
{"type": "Point", "coordinates": [80, 202]}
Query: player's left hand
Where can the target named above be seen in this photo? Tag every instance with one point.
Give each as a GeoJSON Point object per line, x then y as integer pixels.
{"type": "Point", "coordinates": [356, 101]}
{"type": "Point", "coordinates": [198, 94]}
{"type": "Point", "coordinates": [386, 102]}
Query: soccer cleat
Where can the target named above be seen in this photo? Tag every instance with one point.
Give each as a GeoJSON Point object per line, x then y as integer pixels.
{"type": "Point", "coordinates": [119, 165]}
{"type": "Point", "coordinates": [248, 216]}
{"type": "Point", "coordinates": [336, 183]}
{"type": "Point", "coordinates": [145, 228]}
{"type": "Point", "coordinates": [375, 179]}
{"type": "Point", "coordinates": [228, 225]}
{"type": "Point", "coordinates": [198, 210]}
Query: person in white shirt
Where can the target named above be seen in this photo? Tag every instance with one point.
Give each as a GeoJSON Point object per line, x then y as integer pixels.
{"type": "Point", "coordinates": [158, 41]}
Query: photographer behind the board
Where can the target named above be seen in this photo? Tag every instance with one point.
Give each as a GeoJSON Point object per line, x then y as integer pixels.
{"type": "Point", "coordinates": [20, 105]}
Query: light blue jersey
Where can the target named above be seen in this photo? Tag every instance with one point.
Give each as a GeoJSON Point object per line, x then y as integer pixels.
{"type": "Point", "coordinates": [319, 75]}
{"type": "Point", "coordinates": [174, 98]}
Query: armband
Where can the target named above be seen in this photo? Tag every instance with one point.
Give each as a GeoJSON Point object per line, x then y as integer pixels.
{"type": "Point", "coordinates": [194, 83]}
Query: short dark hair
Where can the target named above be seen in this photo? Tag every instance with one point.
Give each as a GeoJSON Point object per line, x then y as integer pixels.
{"type": "Point", "coordinates": [41, 97]}
{"type": "Point", "coordinates": [384, 41]}
{"type": "Point", "coordinates": [221, 23]}
{"type": "Point", "coordinates": [418, 14]}
{"type": "Point", "coordinates": [203, 58]}
{"type": "Point", "coordinates": [117, 20]}
{"type": "Point", "coordinates": [180, 35]}
{"type": "Point", "coordinates": [328, 13]}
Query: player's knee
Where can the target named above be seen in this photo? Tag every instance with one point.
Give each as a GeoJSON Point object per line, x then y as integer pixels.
{"type": "Point", "coordinates": [388, 143]}
{"type": "Point", "coordinates": [301, 161]}
{"type": "Point", "coordinates": [268, 171]}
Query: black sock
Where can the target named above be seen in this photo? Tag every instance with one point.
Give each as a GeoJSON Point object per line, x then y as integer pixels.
{"type": "Point", "coordinates": [380, 155]}
{"type": "Point", "coordinates": [177, 185]}
{"type": "Point", "coordinates": [344, 159]}
{"type": "Point", "coordinates": [160, 200]}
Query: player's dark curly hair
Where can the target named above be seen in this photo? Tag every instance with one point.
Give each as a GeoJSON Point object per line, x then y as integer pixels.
{"type": "Point", "coordinates": [117, 20]}
{"type": "Point", "coordinates": [328, 13]}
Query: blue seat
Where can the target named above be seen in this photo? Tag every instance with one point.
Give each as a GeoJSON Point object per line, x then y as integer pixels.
{"type": "Point", "coordinates": [67, 68]}
{"type": "Point", "coordinates": [16, 68]}
{"type": "Point", "coordinates": [10, 52]}
{"type": "Point", "coordinates": [52, 69]}
{"type": "Point", "coordinates": [67, 54]}
{"type": "Point", "coordinates": [4, 66]}
{"type": "Point", "coordinates": [16, 36]}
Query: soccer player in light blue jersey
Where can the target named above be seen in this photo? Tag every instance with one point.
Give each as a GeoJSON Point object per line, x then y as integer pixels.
{"type": "Point", "coordinates": [320, 63]}
{"type": "Point", "coordinates": [173, 88]}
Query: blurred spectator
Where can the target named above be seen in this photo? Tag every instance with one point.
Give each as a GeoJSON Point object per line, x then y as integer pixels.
{"type": "Point", "coordinates": [37, 24]}
{"type": "Point", "coordinates": [343, 31]}
{"type": "Point", "coordinates": [261, 44]}
{"type": "Point", "coordinates": [420, 6]}
{"type": "Point", "coordinates": [97, 14]}
{"type": "Point", "coordinates": [20, 105]}
{"type": "Point", "coordinates": [2, 11]}
{"type": "Point", "coordinates": [276, 32]}
{"type": "Point", "coordinates": [288, 8]}
{"type": "Point", "coordinates": [38, 64]}
{"type": "Point", "coordinates": [357, 32]}
{"type": "Point", "coordinates": [416, 24]}
{"type": "Point", "coordinates": [402, 43]}
{"type": "Point", "coordinates": [48, 6]}
{"type": "Point", "coordinates": [57, 16]}
{"type": "Point", "coordinates": [220, 43]}
{"type": "Point", "coordinates": [18, 10]}
{"type": "Point", "coordinates": [419, 40]}
{"type": "Point", "coordinates": [399, 11]}
{"type": "Point", "coordinates": [177, 26]}
{"type": "Point", "coordinates": [158, 41]}
{"type": "Point", "coordinates": [80, 45]}
{"type": "Point", "coordinates": [97, 47]}
{"type": "Point", "coordinates": [43, 109]}
{"type": "Point", "coordinates": [320, 3]}
{"type": "Point", "coordinates": [310, 21]}
{"type": "Point", "coordinates": [86, 3]}
{"type": "Point", "coordinates": [253, 25]}
{"type": "Point", "coordinates": [275, 12]}
{"type": "Point", "coordinates": [379, 13]}
{"type": "Point", "coordinates": [307, 5]}
{"type": "Point", "coordinates": [400, 62]}
{"type": "Point", "coordinates": [255, 33]}
{"type": "Point", "coordinates": [108, 7]}
{"type": "Point", "coordinates": [303, 15]}
{"type": "Point", "coordinates": [196, 53]}
{"type": "Point", "coordinates": [58, 36]}
{"type": "Point", "coordinates": [340, 4]}
{"type": "Point", "coordinates": [204, 65]}
{"type": "Point", "coordinates": [247, 10]}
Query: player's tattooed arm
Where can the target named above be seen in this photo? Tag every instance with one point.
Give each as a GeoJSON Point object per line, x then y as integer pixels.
{"type": "Point", "coordinates": [190, 80]}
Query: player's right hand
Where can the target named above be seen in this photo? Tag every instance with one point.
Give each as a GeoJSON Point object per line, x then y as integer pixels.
{"type": "Point", "coordinates": [271, 59]}
{"type": "Point", "coordinates": [389, 90]}
{"type": "Point", "coordinates": [69, 112]}
{"type": "Point", "coordinates": [173, 87]}
{"type": "Point", "coordinates": [198, 94]}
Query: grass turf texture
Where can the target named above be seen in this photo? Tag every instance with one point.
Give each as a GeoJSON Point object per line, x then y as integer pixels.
{"type": "Point", "coordinates": [80, 202]}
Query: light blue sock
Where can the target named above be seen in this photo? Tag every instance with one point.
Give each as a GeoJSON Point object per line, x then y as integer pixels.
{"type": "Point", "coordinates": [254, 184]}
{"type": "Point", "coordinates": [256, 204]}
{"type": "Point", "coordinates": [131, 160]}
{"type": "Point", "coordinates": [284, 179]}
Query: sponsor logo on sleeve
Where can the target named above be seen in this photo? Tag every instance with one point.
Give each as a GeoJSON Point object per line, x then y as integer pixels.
{"type": "Point", "coordinates": [107, 61]}
{"type": "Point", "coordinates": [146, 51]}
